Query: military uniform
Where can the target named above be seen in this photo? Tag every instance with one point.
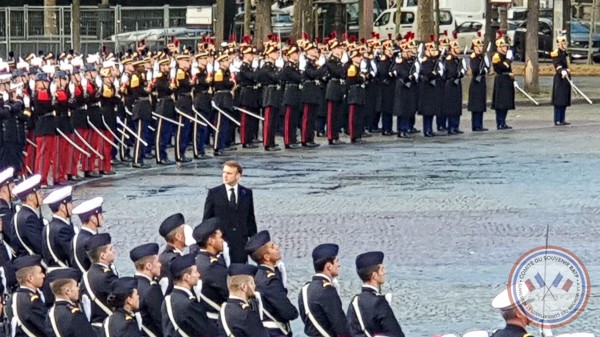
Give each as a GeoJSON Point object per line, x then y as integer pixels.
{"type": "Point", "coordinates": [291, 101]}
{"type": "Point", "coordinates": [222, 84]}
{"type": "Point", "coordinates": [477, 102]}
{"type": "Point", "coordinates": [30, 311]}
{"type": "Point", "coordinates": [151, 300]}
{"type": "Point", "coordinates": [214, 282]}
{"type": "Point", "coordinates": [325, 305]}
{"type": "Point", "coordinates": [511, 331]}
{"type": "Point", "coordinates": [241, 319]}
{"type": "Point", "coordinates": [45, 133]}
{"type": "Point", "coordinates": [503, 96]}
{"type": "Point", "coordinates": [202, 104]}
{"type": "Point", "coordinates": [64, 150]}
{"type": "Point", "coordinates": [313, 93]}
{"type": "Point", "coordinates": [356, 101]}
{"type": "Point", "coordinates": [13, 120]}
{"type": "Point", "coordinates": [275, 301]}
{"type": "Point", "coordinates": [121, 324]}
{"type": "Point", "coordinates": [429, 98]}
{"type": "Point", "coordinates": [269, 78]}
{"type": "Point", "coordinates": [166, 108]}
{"type": "Point", "coordinates": [334, 94]}
{"type": "Point", "coordinates": [183, 105]}
{"type": "Point", "coordinates": [79, 259]}
{"type": "Point", "coordinates": [65, 319]}
{"type": "Point", "coordinates": [56, 242]}
{"type": "Point", "coordinates": [406, 94]}
{"type": "Point", "coordinates": [28, 227]}
{"type": "Point", "coordinates": [108, 101]}
{"type": "Point", "coordinates": [561, 88]}
{"type": "Point", "coordinates": [452, 107]}
{"type": "Point", "coordinates": [376, 315]}
{"type": "Point", "coordinates": [249, 100]}
{"type": "Point", "coordinates": [386, 89]}
{"type": "Point", "coordinates": [99, 279]}
{"type": "Point", "coordinates": [165, 258]}
{"type": "Point", "coordinates": [142, 115]}
{"type": "Point", "coordinates": [187, 313]}
{"type": "Point", "coordinates": [92, 101]}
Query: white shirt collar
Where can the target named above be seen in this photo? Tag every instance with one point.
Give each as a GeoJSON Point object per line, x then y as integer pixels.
{"type": "Point", "coordinates": [142, 275]}
{"type": "Point", "coordinates": [371, 287]}
{"type": "Point", "coordinates": [237, 298]}
{"type": "Point", "coordinates": [324, 276]}
{"type": "Point", "coordinates": [61, 219]}
{"type": "Point", "coordinates": [186, 290]}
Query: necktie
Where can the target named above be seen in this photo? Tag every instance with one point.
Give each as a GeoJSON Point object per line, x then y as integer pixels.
{"type": "Point", "coordinates": [232, 200]}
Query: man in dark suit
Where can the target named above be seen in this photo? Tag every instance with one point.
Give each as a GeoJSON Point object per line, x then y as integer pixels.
{"type": "Point", "coordinates": [234, 206]}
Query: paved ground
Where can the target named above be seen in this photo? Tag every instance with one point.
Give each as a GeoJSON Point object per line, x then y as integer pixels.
{"type": "Point", "coordinates": [452, 214]}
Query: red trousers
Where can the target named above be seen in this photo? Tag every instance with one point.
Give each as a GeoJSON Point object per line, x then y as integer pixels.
{"type": "Point", "coordinates": [106, 150]}
{"type": "Point", "coordinates": [76, 156]}
{"type": "Point", "coordinates": [89, 164]}
{"type": "Point", "coordinates": [45, 156]}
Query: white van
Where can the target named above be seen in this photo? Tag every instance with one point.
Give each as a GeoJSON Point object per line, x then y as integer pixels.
{"type": "Point", "coordinates": [386, 22]}
{"type": "Point", "coordinates": [463, 10]}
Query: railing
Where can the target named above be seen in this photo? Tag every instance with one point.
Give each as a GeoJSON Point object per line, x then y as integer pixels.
{"type": "Point", "coordinates": [30, 29]}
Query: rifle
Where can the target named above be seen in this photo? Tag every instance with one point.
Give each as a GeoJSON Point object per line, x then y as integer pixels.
{"type": "Point", "coordinates": [418, 60]}
{"type": "Point", "coordinates": [485, 64]}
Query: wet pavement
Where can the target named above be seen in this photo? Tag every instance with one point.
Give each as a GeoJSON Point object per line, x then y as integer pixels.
{"type": "Point", "coordinates": [452, 214]}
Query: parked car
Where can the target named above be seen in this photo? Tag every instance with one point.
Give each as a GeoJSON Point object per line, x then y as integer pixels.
{"type": "Point", "coordinates": [469, 30]}
{"type": "Point", "coordinates": [386, 22]}
{"type": "Point", "coordinates": [579, 40]}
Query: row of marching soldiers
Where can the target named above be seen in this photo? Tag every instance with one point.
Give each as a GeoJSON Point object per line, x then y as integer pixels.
{"type": "Point", "coordinates": [60, 280]}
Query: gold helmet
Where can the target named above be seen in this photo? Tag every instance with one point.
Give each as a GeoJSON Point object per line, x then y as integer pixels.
{"type": "Point", "coordinates": [501, 42]}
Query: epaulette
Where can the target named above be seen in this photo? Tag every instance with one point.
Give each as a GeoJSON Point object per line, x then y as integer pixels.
{"type": "Point", "coordinates": [245, 305]}
{"type": "Point", "coordinates": [135, 81]}
{"type": "Point", "coordinates": [213, 259]}
{"type": "Point", "coordinates": [219, 76]}
{"type": "Point", "coordinates": [270, 274]}
{"type": "Point", "coordinates": [449, 58]}
{"type": "Point", "coordinates": [473, 55]}
{"type": "Point", "coordinates": [34, 297]}
{"type": "Point", "coordinates": [128, 318]}
{"type": "Point", "coordinates": [74, 310]}
{"type": "Point", "coordinates": [352, 71]}
{"type": "Point", "coordinates": [527, 335]}
{"type": "Point", "coordinates": [496, 58]}
{"type": "Point", "coordinates": [326, 284]}
{"type": "Point", "coordinates": [106, 270]}
{"type": "Point", "coordinates": [425, 58]}
{"type": "Point", "coordinates": [159, 75]}
{"type": "Point", "coordinates": [554, 53]}
{"type": "Point", "coordinates": [180, 74]}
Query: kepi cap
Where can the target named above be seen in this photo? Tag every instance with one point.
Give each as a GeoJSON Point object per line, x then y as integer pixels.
{"type": "Point", "coordinates": [96, 241]}
{"type": "Point", "coordinates": [369, 259]}
{"type": "Point", "coordinates": [205, 229]}
{"type": "Point", "coordinates": [324, 252]}
{"type": "Point", "coordinates": [236, 269]}
{"type": "Point", "coordinates": [260, 239]}
{"type": "Point", "coordinates": [27, 261]}
{"type": "Point", "coordinates": [54, 274]}
{"type": "Point", "coordinates": [144, 250]}
{"type": "Point", "coordinates": [181, 263]}
{"type": "Point", "coordinates": [123, 285]}
{"type": "Point", "coordinates": [170, 223]}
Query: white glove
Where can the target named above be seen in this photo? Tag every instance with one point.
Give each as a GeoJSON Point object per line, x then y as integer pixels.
{"type": "Point", "coordinates": [20, 91]}
{"type": "Point", "coordinates": [233, 69]}
{"type": "Point", "coordinates": [173, 63]}
{"type": "Point", "coordinates": [53, 88]}
{"type": "Point", "coordinates": [398, 59]}
{"type": "Point", "coordinates": [281, 266]}
{"type": "Point", "coordinates": [148, 74]}
{"type": "Point", "coordinates": [198, 289]}
{"type": "Point", "coordinates": [564, 73]}
{"type": "Point", "coordinates": [440, 68]}
{"type": "Point", "coordinates": [124, 79]}
{"type": "Point", "coordinates": [31, 84]}
{"type": "Point", "coordinates": [417, 68]}
{"type": "Point", "coordinates": [98, 82]}
{"type": "Point", "coordinates": [238, 64]}
{"type": "Point", "coordinates": [388, 298]}
{"type": "Point", "coordinates": [27, 101]}
{"type": "Point", "coordinates": [302, 63]}
{"type": "Point", "coordinates": [363, 66]}
{"type": "Point", "coordinates": [344, 58]}
{"type": "Point", "coordinates": [226, 253]}
{"type": "Point", "coordinates": [509, 54]}
{"type": "Point", "coordinates": [258, 297]}
{"type": "Point", "coordinates": [121, 68]}
{"type": "Point", "coordinates": [72, 88]}
{"type": "Point", "coordinates": [164, 285]}
{"type": "Point", "coordinates": [187, 234]}
{"type": "Point", "coordinates": [156, 75]}
{"type": "Point", "coordinates": [279, 63]}
{"type": "Point", "coordinates": [195, 69]}
{"type": "Point", "coordinates": [216, 66]}
{"type": "Point", "coordinates": [5, 96]}
{"type": "Point", "coordinates": [322, 60]}
{"type": "Point", "coordinates": [155, 67]}
{"type": "Point", "coordinates": [255, 64]}
{"type": "Point", "coordinates": [373, 68]}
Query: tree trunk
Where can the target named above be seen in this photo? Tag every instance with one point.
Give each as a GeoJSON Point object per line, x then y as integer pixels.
{"type": "Point", "coordinates": [219, 23]}
{"type": "Point", "coordinates": [76, 25]}
{"type": "Point", "coordinates": [303, 19]}
{"type": "Point", "coordinates": [247, 16]}
{"type": "Point", "coordinates": [532, 84]}
{"type": "Point", "coordinates": [365, 17]}
{"type": "Point", "coordinates": [50, 18]}
{"type": "Point", "coordinates": [425, 20]}
{"type": "Point", "coordinates": [262, 23]}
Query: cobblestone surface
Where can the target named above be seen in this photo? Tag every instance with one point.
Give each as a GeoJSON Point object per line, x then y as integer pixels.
{"type": "Point", "coordinates": [452, 214]}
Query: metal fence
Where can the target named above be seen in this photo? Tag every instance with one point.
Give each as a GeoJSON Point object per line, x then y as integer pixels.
{"type": "Point", "coordinates": [30, 29]}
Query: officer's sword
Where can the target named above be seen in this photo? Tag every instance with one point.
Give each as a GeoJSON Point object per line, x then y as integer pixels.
{"type": "Point", "coordinates": [30, 142]}
{"type": "Point", "coordinates": [225, 113]}
{"type": "Point", "coordinates": [525, 93]}
{"type": "Point", "coordinates": [205, 119]}
{"type": "Point", "coordinates": [100, 132]}
{"type": "Point", "coordinates": [184, 115]}
{"type": "Point", "coordinates": [167, 119]}
{"type": "Point", "coordinates": [131, 132]}
{"type": "Point", "coordinates": [72, 143]}
{"type": "Point", "coordinates": [249, 113]}
{"type": "Point", "coordinates": [88, 145]}
{"type": "Point", "coordinates": [579, 91]}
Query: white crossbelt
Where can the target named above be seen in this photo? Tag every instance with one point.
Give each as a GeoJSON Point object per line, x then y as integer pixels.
{"type": "Point", "coordinates": [312, 318]}
{"type": "Point", "coordinates": [172, 317]}
{"type": "Point", "coordinates": [359, 316]}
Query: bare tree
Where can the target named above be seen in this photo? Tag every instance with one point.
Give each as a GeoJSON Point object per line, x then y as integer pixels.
{"type": "Point", "coordinates": [219, 23]}
{"type": "Point", "coordinates": [247, 16]}
{"type": "Point", "coordinates": [50, 18]}
{"type": "Point", "coordinates": [425, 20]}
{"type": "Point", "coordinates": [262, 23]}
{"type": "Point", "coordinates": [365, 17]}
{"type": "Point", "coordinates": [303, 19]}
{"type": "Point", "coordinates": [75, 25]}
{"type": "Point", "coordinates": [532, 84]}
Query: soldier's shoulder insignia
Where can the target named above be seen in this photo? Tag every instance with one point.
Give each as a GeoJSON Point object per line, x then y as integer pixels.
{"type": "Point", "coordinates": [135, 81]}
{"type": "Point", "coordinates": [383, 58]}
{"type": "Point", "coordinates": [106, 270]}
{"type": "Point", "coordinates": [554, 53]}
{"type": "Point", "coordinates": [326, 284]}
{"type": "Point", "coordinates": [34, 298]}
{"type": "Point", "coordinates": [128, 318]}
{"type": "Point", "coordinates": [159, 75]}
{"type": "Point", "coordinates": [506, 65]}
{"type": "Point", "coordinates": [425, 58]}
{"type": "Point", "coordinates": [214, 260]}
{"type": "Point", "coordinates": [527, 335]}
{"type": "Point", "coordinates": [180, 74]}
{"type": "Point", "coordinates": [473, 55]}
{"type": "Point", "coordinates": [270, 274]}
{"type": "Point", "coordinates": [219, 76]}
{"type": "Point", "coordinates": [352, 71]}
{"type": "Point", "coordinates": [496, 58]}
{"type": "Point", "coordinates": [74, 310]}
{"type": "Point", "coordinates": [245, 305]}
{"type": "Point", "coordinates": [449, 58]}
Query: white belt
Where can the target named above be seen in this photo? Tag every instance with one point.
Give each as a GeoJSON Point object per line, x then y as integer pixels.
{"type": "Point", "coordinates": [270, 325]}
{"type": "Point", "coordinates": [212, 315]}
{"type": "Point", "coordinates": [99, 325]}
